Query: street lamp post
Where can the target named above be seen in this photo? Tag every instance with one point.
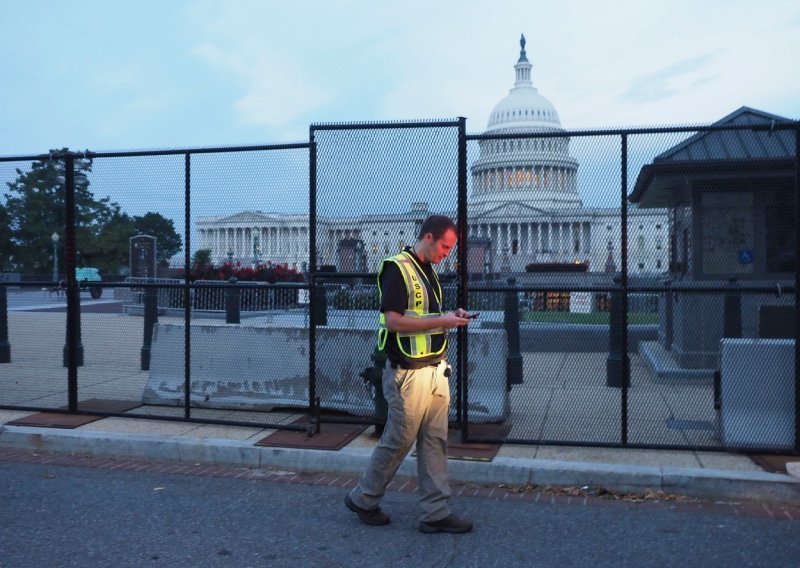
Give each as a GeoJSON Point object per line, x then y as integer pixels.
{"type": "Point", "coordinates": [54, 236]}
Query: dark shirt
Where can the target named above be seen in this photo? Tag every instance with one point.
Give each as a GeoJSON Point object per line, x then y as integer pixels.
{"type": "Point", "coordinates": [395, 299]}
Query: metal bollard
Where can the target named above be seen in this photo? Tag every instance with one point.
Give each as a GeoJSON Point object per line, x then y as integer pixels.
{"type": "Point", "coordinates": [150, 319]}
{"type": "Point", "coordinates": [5, 346]}
{"type": "Point", "coordinates": [618, 367]}
{"type": "Point", "coordinates": [232, 301]}
{"type": "Point", "coordinates": [511, 324]}
{"type": "Point", "coordinates": [320, 303]}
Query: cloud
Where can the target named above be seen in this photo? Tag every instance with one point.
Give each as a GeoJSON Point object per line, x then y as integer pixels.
{"type": "Point", "coordinates": [274, 92]}
{"type": "Point", "coordinates": [671, 80]}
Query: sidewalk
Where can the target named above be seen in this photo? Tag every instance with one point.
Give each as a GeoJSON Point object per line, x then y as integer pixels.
{"type": "Point", "coordinates": [707, 475]}
{"type": "Point", "coordinates": [563, 398]}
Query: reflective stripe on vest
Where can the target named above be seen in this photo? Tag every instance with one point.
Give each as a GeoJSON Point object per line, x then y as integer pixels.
{"type": "Point", "coordinates": [418, 344]}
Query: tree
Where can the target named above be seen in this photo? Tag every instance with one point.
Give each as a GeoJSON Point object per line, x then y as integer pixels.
{"type": "Point", "coordinates": [112, 251]}
{"type": "Point", "coordinates": [169, 242]}
{"type": "Point", "coordinates": [201, 257]}
{"type": "Point", "coordinates": [6, 255]}
{"type": "Point", "coordinates": [35, 209]}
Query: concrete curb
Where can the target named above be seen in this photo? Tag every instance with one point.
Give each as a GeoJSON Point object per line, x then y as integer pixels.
{"type": "Point", "coordinates": [694, 482]}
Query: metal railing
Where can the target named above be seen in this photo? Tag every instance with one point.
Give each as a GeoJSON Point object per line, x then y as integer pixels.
{"type": "Point", "coordinates": [554, 397]}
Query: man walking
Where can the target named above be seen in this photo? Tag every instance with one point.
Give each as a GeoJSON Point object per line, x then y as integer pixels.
{"type": "Point", "coordinates": [413, 332]}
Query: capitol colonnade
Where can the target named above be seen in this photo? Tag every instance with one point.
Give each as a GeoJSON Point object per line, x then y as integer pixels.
{"type": "Point", "coordinates": [557, 241]}
{"type": "Point", "coordinates": [250, 238]}
{"type": "Point", "coordinates": [523, 207]}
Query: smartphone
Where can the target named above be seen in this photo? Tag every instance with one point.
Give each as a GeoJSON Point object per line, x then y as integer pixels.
{"type": "Point", "coordinates": [472, 316]}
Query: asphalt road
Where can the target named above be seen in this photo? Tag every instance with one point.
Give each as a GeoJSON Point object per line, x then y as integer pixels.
{"type": "Point", "coordinates": [76, 516]}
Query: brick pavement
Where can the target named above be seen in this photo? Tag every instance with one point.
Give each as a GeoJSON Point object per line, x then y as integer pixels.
{"type": "Point", "coordinates": [567, 496]}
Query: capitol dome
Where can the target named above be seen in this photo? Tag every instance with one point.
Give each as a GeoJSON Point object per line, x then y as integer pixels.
{"type": "Point", "coordinates": [524, 107]}
{"type": "Point", "coordinates": [537, 172]}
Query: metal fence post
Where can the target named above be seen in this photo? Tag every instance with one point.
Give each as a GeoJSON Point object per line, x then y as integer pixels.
{"type": "Point", "coordinates": [732, 310]}
{"type": "Point", "coordinates": [150, 319]}
{"type": "Point", "coordinates": [5, 346]}
{"type": "Point", "coordinates": [75, 294]}
{"type": "Point", "coordinates": [731, 327]}
{"type": "Point", "coordinates": [617, 373]}
{"type": "Point", "coordinates": [668, 315]}
{"type": "Point", "coordinates": [511, 324]}
{"type": "Point", "coordinates": [232, 301]}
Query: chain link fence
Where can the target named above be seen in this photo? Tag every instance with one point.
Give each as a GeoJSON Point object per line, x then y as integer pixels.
{"type": "Point", "coordinates": [635, 287]}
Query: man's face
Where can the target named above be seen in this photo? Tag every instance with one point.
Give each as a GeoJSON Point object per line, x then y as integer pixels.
{"type": "Point", "coordinates": [436, 250]}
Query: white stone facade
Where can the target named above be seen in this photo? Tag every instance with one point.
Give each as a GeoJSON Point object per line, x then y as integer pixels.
{"type": "Point", "coordinates": [525, 200]}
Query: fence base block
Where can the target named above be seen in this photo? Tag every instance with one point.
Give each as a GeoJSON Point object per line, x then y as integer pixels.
{"type": "Point", "coordinates": [263, 368]}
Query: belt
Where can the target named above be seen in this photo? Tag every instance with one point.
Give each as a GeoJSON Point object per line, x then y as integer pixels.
{"type": "Point", "coordinates": [401, 366]}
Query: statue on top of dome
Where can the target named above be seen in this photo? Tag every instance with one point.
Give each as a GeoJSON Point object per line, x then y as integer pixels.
{"type": "Point", "coordinates": [522, 41]}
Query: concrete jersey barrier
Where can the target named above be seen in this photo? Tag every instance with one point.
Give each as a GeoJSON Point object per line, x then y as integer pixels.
{"type": "Point", "coordinates": [263, 368]}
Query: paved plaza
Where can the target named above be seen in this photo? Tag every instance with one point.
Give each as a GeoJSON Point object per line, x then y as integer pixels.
{"type": "Point", "coordinates": [563, 398]}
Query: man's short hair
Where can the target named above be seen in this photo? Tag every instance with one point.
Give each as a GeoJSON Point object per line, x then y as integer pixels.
{"type": "Point", "coordinates": [437, 226]}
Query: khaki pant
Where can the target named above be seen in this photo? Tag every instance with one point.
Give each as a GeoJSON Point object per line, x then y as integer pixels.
{"type": "Point", "coordinates": [418, 402]}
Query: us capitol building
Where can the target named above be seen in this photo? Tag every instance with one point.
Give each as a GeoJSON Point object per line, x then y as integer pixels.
{"type": "Point", "coordinates": [524, 207]}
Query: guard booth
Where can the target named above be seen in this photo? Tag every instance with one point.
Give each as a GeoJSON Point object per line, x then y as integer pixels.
{"type": "Point", "coordinates": [731, 198]}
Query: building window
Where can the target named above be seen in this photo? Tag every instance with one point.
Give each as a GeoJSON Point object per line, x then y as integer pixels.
{"type": "Point", "coordinates": [641, 266]}
{"type": "Point", "coordinates": [640, 240]}
{"type": "Point", "coordinates": [514, 246]}
{"type": "Point", "coordinates": [658, 226]}
{"type": "Point", "coordinates": [550, 301]}
{"type": "Point", "coordinates": [658, 263]}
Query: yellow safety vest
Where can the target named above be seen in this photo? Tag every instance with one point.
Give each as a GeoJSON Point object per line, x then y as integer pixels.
{"type": "Point", "coordinates": [424, 301]}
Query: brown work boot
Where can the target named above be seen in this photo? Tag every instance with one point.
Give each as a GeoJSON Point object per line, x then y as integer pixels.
{"type": "Point", "coordinates": [450, 524]}
{"type": "Point", "coordinates": [374, 517]}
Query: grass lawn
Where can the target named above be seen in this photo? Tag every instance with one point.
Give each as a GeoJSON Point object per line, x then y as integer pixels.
{"type": "Point", "coordinates": [592, 318]}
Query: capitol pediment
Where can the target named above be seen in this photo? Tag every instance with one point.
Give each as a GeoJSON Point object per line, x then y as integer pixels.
{"type": "Point", "coordinates": [246, 217]}
{"type": "Point", "coordinates": [509, 210]}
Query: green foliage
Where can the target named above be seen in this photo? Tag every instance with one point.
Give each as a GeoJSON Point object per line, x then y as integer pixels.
{"type": "Point", "coordinates": [6, 257]}
{"type": "Point", "coordinates": [35, 209]}
{"type": "Point", "coordinates": [201, 257]}
{"type": "Point", "coordinates": [168, 241]}
{"type": "Point", "coordinates": [634, 318]}
{"type": "Point", "coordinates": [355, 299]}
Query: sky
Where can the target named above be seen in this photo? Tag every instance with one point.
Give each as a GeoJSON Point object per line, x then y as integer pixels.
{"type": "Point", "coordinates": [99, 75]}
{"type": "Point", "coordinates": [157, 74]}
